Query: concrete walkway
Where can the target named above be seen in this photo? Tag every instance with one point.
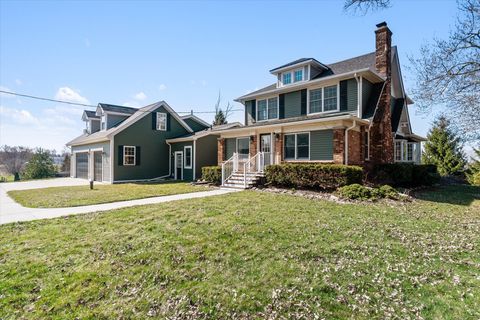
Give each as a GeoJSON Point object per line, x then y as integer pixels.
{"type": "Point", "coordinates": [11, 211]}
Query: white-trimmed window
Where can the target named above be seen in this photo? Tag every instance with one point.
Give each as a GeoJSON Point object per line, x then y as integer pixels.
{"type": "Point", "coordinates": [297, 146]}
{"type": "Point", "coordinates": [103, 122]}
{"type": "Point", "coordinates": [267, 109]}
{"type": "Point", "coordinates": [298, 75]}
{"type": "Point", "coordinates": [324, 99]}
{"type": "Point", "coordinates": [161, 121]}
{"type": "Point", "coordinates": [129, 153]}
{"type": "Point", "coordinates": [187, 159]}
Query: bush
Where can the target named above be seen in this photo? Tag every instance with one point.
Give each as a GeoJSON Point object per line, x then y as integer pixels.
{"type": "Point", "coordinates": [40, 166]}
{"type": "Point", "coordinates": [313, 176]}
{"type": "Point", "coordinates": [359, 192]}
{"type": "Point", "coordinates": [212, 174]}
{"type": "Point", "coordinates": [474, 178]}
{"type": "Point", "coordinates": [404, 174]}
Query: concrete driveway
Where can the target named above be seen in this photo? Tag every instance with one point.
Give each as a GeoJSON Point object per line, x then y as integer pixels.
{"type": "Point", "coordinates": [11, 211]}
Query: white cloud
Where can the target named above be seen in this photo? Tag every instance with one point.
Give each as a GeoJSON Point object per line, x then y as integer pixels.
{"type": "Point", "coordinates": [162, 87]}
{"type": "Point", "coordinates": [68, 94]}
{"type": "Point", "coordinates": [18, 82]}
{"type": "Point", "coordinates": [18, 116]}
{"type": "Point", "coordinates": [140, 96]}
{"type": "Point", "coordinates": [131, 104]}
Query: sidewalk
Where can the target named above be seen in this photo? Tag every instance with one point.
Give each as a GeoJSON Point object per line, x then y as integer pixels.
{"type": "Point", "coordinates": [10, 211]}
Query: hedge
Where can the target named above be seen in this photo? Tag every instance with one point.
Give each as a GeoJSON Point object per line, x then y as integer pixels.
{"type": "Point", "coordinates": [404, 174]}
{"type": "Point", "coordinates": [212, 174]}
{"type": "Point", "coordinates": [313, 176]}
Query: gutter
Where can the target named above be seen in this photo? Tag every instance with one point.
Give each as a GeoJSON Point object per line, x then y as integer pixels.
{"type": "Point", "coordinates": [346, 140]}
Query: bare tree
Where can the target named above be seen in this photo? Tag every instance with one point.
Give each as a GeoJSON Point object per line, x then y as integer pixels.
{"type": "Point", "coordinates": [448, 72]}
{"type": "Point", "coordinates": [13, 159]}
{"type": "Point", "coordinates": [364, 6]}
{"type": "Point", "coordinates": [221, 115]}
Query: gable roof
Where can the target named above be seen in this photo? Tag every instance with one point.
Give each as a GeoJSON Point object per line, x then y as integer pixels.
{"type": "Point", "coordinates": [299, 61]}
{"type": "Point", "coordinates": [197, 119]}
{"type": "Point", "coordinates": [115, 108]}
{"type": "Point", "coordinates": [105, 135]}
{"type": "Point", "coordinates": [87, 114]}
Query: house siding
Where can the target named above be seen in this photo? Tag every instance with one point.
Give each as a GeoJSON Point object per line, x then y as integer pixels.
{"type": "Point", "coordinates": [250, 112]}
{"type": "Point", "coordinates": [154, 152]}
{"type": "Point", "coordinates": [293, 104]}
{"type": "Point", "coordinates": [321, 145]}
{"type": "Point", "coordinates": [105, 146]}
{"type": "Point", "coordinates": [179, 146]}
{"type": "Point", "coordinates": [366, 91]}
{"type": "Point", "coordinates": [208, 154]}
{"type": "Point", "coordinates": [230, 147]}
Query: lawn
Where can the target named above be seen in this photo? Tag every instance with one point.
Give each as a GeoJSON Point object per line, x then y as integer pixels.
{"type": "Point", "coordinates": [58, 197]}
{"type": "Point", "coordinates": [250, 255]}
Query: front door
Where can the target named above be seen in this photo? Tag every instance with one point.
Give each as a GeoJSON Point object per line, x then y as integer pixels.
{"type": "Point", "coordinates": [266, 148]}
{"type": "Point", "coordinates": [178, 165]}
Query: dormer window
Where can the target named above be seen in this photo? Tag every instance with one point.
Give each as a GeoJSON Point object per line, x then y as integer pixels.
{"type": "Point", "coordinates": [103, 122]}
{"type": "Point", "coordinates": [287, 78]}
{"type": "Point", "coordinates": [298, 75]}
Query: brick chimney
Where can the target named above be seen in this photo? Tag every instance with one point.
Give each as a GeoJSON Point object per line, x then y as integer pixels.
{"type": "Point", "coordinates": [381, 138]}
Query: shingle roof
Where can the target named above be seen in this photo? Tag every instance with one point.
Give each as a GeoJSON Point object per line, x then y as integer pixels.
{"type": "Point", "coordinates": [91, 114]}
{"type": "Point", "coordinates": [120, 109]}
{"type": "Point", "coordinates": [356, 63]}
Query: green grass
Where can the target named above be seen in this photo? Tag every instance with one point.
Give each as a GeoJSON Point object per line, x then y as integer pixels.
{"type": "Point", "coordinates": [58, 197]}
{"type": "Point", "coordinates": [8, 178]}
{"type": "Point", "coordinates": [250, 255]}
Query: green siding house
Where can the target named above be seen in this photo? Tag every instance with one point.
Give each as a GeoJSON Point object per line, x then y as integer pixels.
{"type": "Point", "coordinates": [123, 144]}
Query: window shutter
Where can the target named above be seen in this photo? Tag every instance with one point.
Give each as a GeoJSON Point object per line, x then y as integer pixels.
{"type": "Point", "coordinates": [120, 155]}
{"type": "Point", "coordinates": [254, 110]}
{"type": "Point", "coordinates": [137, 156]}
{"type": "Point", "coordinates": [168, 121]}
{"type": "Point", "coordinates": [343, 95]}
{"type": "Point", "coordinates": [303, 102]}
{"type": "Point", "coordinates": [154, 121]}
{"type": "Point", "coordinates": [281, 106]}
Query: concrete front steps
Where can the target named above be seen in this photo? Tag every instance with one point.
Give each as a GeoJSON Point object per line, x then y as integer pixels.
{"type": "Point", "coordinates": [237, 181]}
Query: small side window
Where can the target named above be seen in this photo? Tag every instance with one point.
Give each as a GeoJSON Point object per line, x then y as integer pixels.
{"type": "Point", "coordinates": [188, 157]}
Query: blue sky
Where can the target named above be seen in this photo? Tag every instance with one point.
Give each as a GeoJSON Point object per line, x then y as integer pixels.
{"type": "Point", "coordinates": [135, 53]}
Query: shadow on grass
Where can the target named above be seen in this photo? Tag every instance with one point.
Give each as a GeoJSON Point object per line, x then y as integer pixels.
{"type": "Point", "coordinates": [453, 194]}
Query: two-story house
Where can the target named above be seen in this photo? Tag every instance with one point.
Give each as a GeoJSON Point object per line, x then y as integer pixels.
{"type": "Point", "coordinates": [128, 144]}
{"type": "Point", "coordinates": [350, 112]}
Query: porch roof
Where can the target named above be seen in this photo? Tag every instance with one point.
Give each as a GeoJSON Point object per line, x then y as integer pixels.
{"type": "Point", "coordinates": [410, 137]}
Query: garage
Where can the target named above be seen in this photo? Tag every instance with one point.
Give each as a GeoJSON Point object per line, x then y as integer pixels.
{"type": "Point", "coordinates": [81, 160]}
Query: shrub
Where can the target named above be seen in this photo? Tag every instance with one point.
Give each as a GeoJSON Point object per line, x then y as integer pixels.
{"type": "Point", "coordinates": [313, 176]}
{"type": "Point", "coordinates": [212, 174]}
{"type": "Point", "coordinates": [359, 192]}
{"type": "Point", "coordinates": [474, 178]}
{"type": "Point", "coordinates": [40, 166]}
{"type": "Point", "coordinates": [404, 174]}
{"type": "Point", "coordinates": [355, 191]}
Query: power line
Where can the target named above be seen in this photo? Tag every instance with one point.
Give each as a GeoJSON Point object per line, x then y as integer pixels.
{"type": "Point", "coordinates": [89, 105]}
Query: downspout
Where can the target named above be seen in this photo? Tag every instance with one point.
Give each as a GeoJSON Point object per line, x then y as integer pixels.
{"type": "Point", "coordinates": [358, 79]}
{"type": "Point", "coordinates": [169, 158]}
{"type": "Point", "coordinates": [346, 139]}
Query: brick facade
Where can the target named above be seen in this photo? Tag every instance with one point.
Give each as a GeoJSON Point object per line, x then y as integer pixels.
{"type": "Point", "coordinates": [253, 145]}
{"type": "Point", "coordinates": [338, 146]}
{"type": "Point", "coordinates": [278, 147]}
{"type": "Point", "coordinates": [355, 148]}
{"type": "Point", "coordinates": [381, 138]}
{"type": "Point", "coordinates": [220, 150]}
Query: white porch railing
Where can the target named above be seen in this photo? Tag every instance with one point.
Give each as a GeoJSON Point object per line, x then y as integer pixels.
{"type": "Point", "coordinates": [229, 167]}
{"type": "Point", "coordinates": [243, 164]}
{"type": "Point", "coordinates": [255, 164]}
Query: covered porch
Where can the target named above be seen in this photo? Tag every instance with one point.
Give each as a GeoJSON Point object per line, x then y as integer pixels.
{"type": "Point", "coordinates": [408, 148]}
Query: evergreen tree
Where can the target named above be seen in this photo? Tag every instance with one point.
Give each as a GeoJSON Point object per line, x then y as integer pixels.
{"type": "Point", "coordinates": [40, 166]}
{"type": "Point", "coordinates": [473, 174]}
{"type": "Point", "coordinates": [219, 118]}
{"type": "Point", "coordinates": [444, 148]}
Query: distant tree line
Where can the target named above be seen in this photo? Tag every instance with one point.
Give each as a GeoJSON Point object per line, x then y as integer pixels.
{"type": "Point", "coordinates": [27, 163]}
